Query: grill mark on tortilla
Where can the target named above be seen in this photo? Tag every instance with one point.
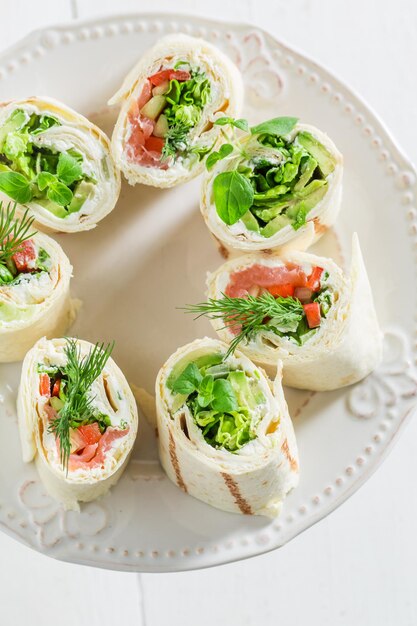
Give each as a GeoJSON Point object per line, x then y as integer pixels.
{"type": "Point", "coordinates": [222, 249]}
{"type": "Point", "coordinates": [318, 227]}
{"type": "Point", "coordinates": [235, 492]}
{"type": "Point", "coordinates": [175, 464]}
{"type": "Point", "coordinates": [285, 449]}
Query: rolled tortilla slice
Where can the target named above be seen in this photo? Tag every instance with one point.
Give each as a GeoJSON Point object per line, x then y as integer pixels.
{"type": "Point", "coordinates": [235, 451]}
{"type": "Point", "coordinates": [169, 101]}
{"type": "Point", "coordinates": [344, 343]}
{"type": "Point", "coordinates": [99, 450]}
{"type": "Point", "coordinates": [36, 302]}
{"type": "Point", "coordinates": [65, 173]}
{"type": "Point", "coordinates": [297, 180]}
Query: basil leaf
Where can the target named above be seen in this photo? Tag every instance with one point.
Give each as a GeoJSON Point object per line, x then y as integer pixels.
{"type": "Point", "coordinates": [223, 121]}
{"type": "Point", "coordinates": [15, 186]}
{"type": "Point", "coordinates": [233, 196]}
{"type": "Point", "coordinates": [69, 169]}
{"type": "Point", "coordinates": [59, 193]}
{"type": "Point", "coordinates": [280, 126]}
{"type": "Point", "coordinates": [224, 151]}
{"type": "Point", "coordinates": [224, 397]}
{"type": "Point", "coordinates": [205, 391]}
{"type": "Point", "coordinates": [188, 381]}
{"type": "Point", "coordinates": [242, 124]}
{"type": "Point", "coordinates": [44, 179]}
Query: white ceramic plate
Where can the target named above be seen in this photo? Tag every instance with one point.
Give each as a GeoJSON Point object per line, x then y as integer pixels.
{"type": "Point", "coordinates": [151, 255]}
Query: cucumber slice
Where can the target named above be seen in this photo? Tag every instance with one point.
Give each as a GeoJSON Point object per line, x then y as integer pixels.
{"type": "Point", "coordinates": [161, 126]}
{"type": "Point", "coordinates": [154, 107]}
{"type": "Point", "coordinates": [159, 90]}
{"type": "Point", "coordinates": [56, 403]}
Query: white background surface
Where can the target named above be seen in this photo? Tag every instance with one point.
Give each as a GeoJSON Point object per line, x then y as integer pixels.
{"type": "Point", "coordinates": [359, 566]}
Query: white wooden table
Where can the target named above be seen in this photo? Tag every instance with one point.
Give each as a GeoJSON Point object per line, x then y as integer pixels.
{"type": "Point", "coordinates": [357, 567]}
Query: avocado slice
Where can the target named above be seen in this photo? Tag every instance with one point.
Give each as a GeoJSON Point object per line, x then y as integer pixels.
{"type": "Point", "coordinates": [307, 171]}
{"type": "Point", "coordinates": [240, 386]}
{"type": "Point", "coordinates": [206, 360]}
{"type": "Point", "coordinates": [81, 193]}
{"type": "Point", "coordinates": [323, 157]}
{"type": "Point", "coordinates": [17, 119]}
{"type": "Point", "coordinates": [310, 199]}
{"type": "Point", "coordinates": [280, 221]}
{"type": "Point", "coordinates": [270, 213]}
{"type": "Point", "coordinates": [52, 207]}
{"type": "Point", "coordinates": [250, 221]}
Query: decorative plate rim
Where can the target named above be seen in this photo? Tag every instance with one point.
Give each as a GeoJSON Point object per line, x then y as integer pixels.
{"type": "Point", "coordinates": [37, 40]}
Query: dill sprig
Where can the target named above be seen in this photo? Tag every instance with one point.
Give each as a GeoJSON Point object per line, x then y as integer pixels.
{"type": "Point", "coordinates": [175, 140]}
{"type": "Point", "coordinates": [13, 232]}
{"type": "Point", "coordinates": [81, 372]}
{"type": "Point", "coordinates": [251, 314]}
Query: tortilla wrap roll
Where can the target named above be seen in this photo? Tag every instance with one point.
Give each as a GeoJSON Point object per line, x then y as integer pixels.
{"type": "Point", "coordinates": [231, 442]}
{"type": "Point", "coordinates": [57, 163]}
{"type": "Point", "coordinates": [279, 189]}
{"type": "Point", "coordinates": [323, 325]}
{"type": "Point", "coordinates": [34, 295]}
{"type": "Point", "coordinates": [100, 437]}
{"type": "Point", "coordinates": [169, 101]}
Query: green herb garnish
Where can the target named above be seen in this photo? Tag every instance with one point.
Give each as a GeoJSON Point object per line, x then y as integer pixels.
{"type": "Point", "coordinates": [221, 400]}
{"type": "Point", "coordinates": [33, 172]}
{"type": "Point", "coordinates": [185, 102]}
{"type": "Point", "coordinates": [13, 232]}
{"type": "Point", "coordinates": [80, 373]}
{"type": "Point", "coordinates": [249, 315]}
{"type": "Point", "coordinates": [274, 181]}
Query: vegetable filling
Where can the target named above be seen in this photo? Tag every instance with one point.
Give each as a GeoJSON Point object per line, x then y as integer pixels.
{"type": "Point", "coordinates": [224, 401]}
{"type": "Point", "coordinates": [161, 119]}
{"type": "Point", "coordinates": [32, 170]}
{"type": "Point", "coordinates": [83, 433]}
{"type": "Point", "coordinates": [20, 260]}
{"type": "Point", "coordinates": [273, 181]}
{"type": "Point", "coordinates": [283, 300]}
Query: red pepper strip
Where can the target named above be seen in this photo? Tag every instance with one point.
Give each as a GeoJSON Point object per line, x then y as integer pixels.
{"type": "Point", "coordinates": [44, 385]}
{"type": "Point", "coordinates": [313, 281]}
{"type": "Point", "coordinates": [312, 311]}
{"type": "Point", "coordinates": [284, 291]}
{"type": "Point", "coordinates": [56, 388]}
{"type": "Point", "coordinates": [164, 75]}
